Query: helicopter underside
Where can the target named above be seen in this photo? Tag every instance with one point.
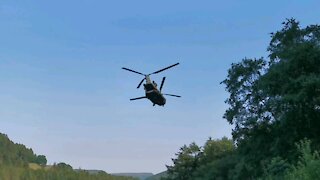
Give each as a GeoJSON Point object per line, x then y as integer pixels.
{"type": "Point", "coordinates": [155, 97]}
{"type": "Point", "coordinates": [154, 94]}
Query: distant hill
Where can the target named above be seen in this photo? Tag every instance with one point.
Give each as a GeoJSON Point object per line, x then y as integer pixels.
{"type": "Point", "coordinates": [17, 154]}
{"type": "Point", "coordinates": [89, 171]}
{"type": "Point", "coordinates": [140, 176]}
{"type": "Point", "coordinates": [157, 176]}
{"type": "Point", "coordinates": [19, 162]}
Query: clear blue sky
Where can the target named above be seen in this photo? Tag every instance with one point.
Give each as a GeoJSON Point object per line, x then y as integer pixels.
{"type": "Point", "coordinates": [63, 92]}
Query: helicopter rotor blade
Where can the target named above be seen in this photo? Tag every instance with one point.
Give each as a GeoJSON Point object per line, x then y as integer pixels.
{"type": "Point", "coordinates": [140, 83]}
{"type": "Point", "coordinates": [133, 71]}
{"type": "Point", "coordinates": [162, 82]}
{"type": "Point", "coordinates": [172, 95]}
{"type": "Point", "coordinates": [137, 98]}
{"type": "Point", "coordinates": [165, 68]}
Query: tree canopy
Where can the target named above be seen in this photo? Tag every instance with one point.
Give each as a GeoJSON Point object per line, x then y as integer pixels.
{"type": "Point", "coordinates": [274, 103]}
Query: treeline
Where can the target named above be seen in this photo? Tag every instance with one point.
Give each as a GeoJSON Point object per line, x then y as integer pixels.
{"type": "Point", "coordinates": [60, 171]}
{"type": "Point", "coordinates": [274, 106]}
{"type": "Point", "coordinates": [15, 161]}
{"type": "Point", "coordinates": [220, 159]}
{"type": "Point", "coordinates": [12, 154]}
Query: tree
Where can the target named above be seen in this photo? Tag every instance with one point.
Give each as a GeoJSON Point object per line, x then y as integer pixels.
{"type": "Point", "coordinates": [275, 103]}
{"type": "Point", "coordinates": [41, 160]}
{"type": "Point", "coordinates": [185, 164]}
{"type": "Point", "coordinates": [307, 167]}
{"type": "Point", "coordinates": [214, 160]}
{"type": "Point", "coordinates": [215, 149]}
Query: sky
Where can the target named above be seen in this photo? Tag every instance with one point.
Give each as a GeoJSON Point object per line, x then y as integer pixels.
{"type": "Point", "coordinates": [63, 92]}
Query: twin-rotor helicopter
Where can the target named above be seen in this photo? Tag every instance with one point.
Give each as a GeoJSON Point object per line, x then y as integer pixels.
{"type": "Point", "coordinates": [152, 92]}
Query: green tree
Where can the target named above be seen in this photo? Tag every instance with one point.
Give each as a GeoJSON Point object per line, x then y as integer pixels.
{"type": "Point", "coordinates": [215, 149]}
{"type": "Point", "coordinates": [185, 164]}
{"type": "Point", "coordinates": [41, 160]}
{"type": "Point", "coordinates": [306, 168]}
{"type": "Point", "coordinates": [15, 158]}
{"type": "Point", "coordinates": [214, 160]}
{"type": "Point", "coordinates": [217, 160]}
{"type": "Point", "coordinates": [275, 103]}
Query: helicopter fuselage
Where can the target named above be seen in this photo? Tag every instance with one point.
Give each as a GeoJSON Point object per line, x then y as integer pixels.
{"type": "Point", "coordinates": [152, 93]}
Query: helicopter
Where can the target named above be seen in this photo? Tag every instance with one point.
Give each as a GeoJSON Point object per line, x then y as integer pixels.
{"type": "Point", "coordinates": [152, 92]}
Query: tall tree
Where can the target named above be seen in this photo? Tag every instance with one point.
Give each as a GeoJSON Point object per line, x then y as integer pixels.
{"type": "Point", "coordinates": [185, 164]}
{"type": "Point", "coordinates": [212, 161]}
{"type": "Point", "coordinates": [275, 103]}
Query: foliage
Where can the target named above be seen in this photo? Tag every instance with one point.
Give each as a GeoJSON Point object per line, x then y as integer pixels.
{"type": "Point", "coordinates": [216, 159]}
{"type": "Point", "coordinates": [41, 160]}
{"type": "Point", "coordinates": [158, 176]}
{"type": "Point", "coordinates": [56, 172]}
{"type": "Point", "coordinates": [17, 154]}
{"type": "Point", "coordinates": [194, 162]}
{"type": "Point", "coordinates": [186, 162]}
{"type": "Point", "coordinates": [273, 104]}
{"type": "Point", "coordinates": [20, 163]}
{"type": "Point", "coordinates": [307, 167]}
